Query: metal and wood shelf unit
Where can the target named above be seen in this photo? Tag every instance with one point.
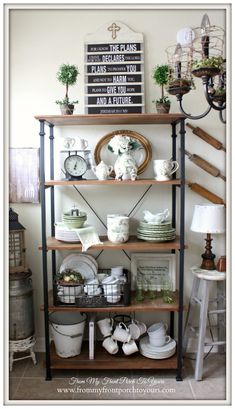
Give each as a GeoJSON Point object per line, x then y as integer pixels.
{"type": "Point", "coordinates": [102, 358]}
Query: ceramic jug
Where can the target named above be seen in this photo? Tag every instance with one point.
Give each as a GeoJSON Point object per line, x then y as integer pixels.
{"type": "Point", "coordinates": [102, 171]}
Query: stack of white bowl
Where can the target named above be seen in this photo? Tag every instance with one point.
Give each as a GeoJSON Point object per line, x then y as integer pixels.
{"type": "Point", "coordinates": [117, 228]}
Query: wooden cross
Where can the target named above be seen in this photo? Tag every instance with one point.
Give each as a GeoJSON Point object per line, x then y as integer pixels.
{"type": "Point", "coordinates": [114, 28]}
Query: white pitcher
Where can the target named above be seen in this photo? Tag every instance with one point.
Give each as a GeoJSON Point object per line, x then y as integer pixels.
{"type": "Point", "coordinates": [81, 144]}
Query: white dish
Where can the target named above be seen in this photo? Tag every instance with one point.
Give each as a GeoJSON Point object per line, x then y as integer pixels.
{"type": "Point", "coordinates": [81, 264]}
{"type": "Point", "coordinates": [158, 351]}
{"type": "Point", "coordinates": [157, 356]}
{"type": "Point", "coordinates": [64, 234]}
{"type": "Point", "coordinates": [78, 256]}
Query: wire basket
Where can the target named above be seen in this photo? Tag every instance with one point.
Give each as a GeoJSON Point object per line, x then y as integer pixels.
{"type": "Point", "coordinates": [95, 295]}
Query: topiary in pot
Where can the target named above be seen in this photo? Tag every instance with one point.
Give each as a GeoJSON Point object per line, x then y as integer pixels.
{"type": "Point", "coordinates": [160, 76]}
{"type": "Point", "coordinates": [67, 75]}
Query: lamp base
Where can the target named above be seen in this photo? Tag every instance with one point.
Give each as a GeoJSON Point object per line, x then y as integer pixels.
{"type": "Point", "coordinates": [208, 262]}
{"type": "Point", "coordinates": [208, 257]}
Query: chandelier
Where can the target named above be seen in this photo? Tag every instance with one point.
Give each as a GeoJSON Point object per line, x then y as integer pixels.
{"type": "Point", "coordinates": [199, 54]}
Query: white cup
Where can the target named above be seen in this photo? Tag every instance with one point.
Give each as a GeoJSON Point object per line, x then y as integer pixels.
{"type": "Point", "coordinates": [117, 271]}
{"type": "Point", "coordinates": [112, 299]}
{"type": "Point", "coordinates": [105, 326]}
{"type": "Point", "coordinates": [111, 285]}
{"type": "Point", "coordinates": [159, 341]}
{"type": "Point", "coordinates": [157, 328]}
{"type": "Point", "coordinates": [81, 144]}
{"type": "Point", "coordinates": [164, 168]}
{"type": "Point", "coordinates": [129, 347]}
{"type": "Point", "coordinates": [137, 329]}
{"type": "Point", "coordinates": [110, 345]}
{"type": "Point", "coordinates": [69, 143]}
{"type": "Point", "coordinates": [92, 287]}
{"type": "Point", "coordinates": [121, 334]}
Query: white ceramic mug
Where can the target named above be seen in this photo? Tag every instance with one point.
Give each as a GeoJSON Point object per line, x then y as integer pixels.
{"type": "Point", "coordinates": [137, 329]}
{"type": "Point", "coordinates": [81, 144]}
{"type": "Point", "coordinates": [91, 287]}
{"type": "Point", "coordinates": [130, 347]}
{"type": "Point", "coordinates": [105, 326]}
{"type": "Point", "coordinates": [164, 168]}
{"type": "Point", "coordinates": [117, 271]}
{"type": "Point", "coordinates": [157, 328]}
{"type": "Point", "coordinates": [111, 285]}
{"type": "Point", "coordinates": [159, 341]}
{"type": "Point", "coordinates": [112, 299]}
{"type": "Point", "coordinates": [69, 143]}
{"type": "Point", "coordinates": [121, 334]}
{"type": "Point", "coordinates": [110, 345]}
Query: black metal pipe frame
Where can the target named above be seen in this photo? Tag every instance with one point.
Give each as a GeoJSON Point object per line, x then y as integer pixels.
{"type": "Point", "coordinates": [53, 253]}
{"type": "Point", "coordinates": [174, 136]}
{"type": "Point", "coordinates": [44, 247]}
{"type": "Point", "coordinates": [173, 212]}
{"type": "Point", "coordinates": [181, 261]}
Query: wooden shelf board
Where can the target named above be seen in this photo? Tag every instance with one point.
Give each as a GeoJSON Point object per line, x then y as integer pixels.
{"type": "Point", "coordinates": [111, 182]}
{"type": "Point", "coordinates": [103, 360]}
{"type": "Point", "coordinates": [119, 119]}
{"type": "Point", "coordinates": [135, 306]}
{"type": "Point", "coordinates": [133, 244]}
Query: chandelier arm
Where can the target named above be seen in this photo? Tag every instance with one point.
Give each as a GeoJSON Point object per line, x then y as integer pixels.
{"type": "Point", "coordinates": [179, 99]}
{"type": "Point", "coordinates": [221, 117]}
{"type": "Point", "coordinates": [221, 107]}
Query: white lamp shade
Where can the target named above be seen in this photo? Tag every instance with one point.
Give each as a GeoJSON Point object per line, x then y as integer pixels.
{"type": "Point", "coordinates": [208, 219]}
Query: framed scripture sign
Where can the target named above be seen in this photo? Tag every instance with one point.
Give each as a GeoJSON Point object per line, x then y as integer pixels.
{"type": "Point", "coordinates": [153, 269]}
{"type": "Point", "coordinates": [114, 70]}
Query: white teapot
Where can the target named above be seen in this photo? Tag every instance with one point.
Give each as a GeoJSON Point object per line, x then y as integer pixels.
{"type": "Point", "coordinates": [102, 171]}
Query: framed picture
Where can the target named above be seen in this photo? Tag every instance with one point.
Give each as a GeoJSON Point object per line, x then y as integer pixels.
{"type": "Point", "coordinates": [24, 175]}
{"type": "Point", "coordinates": [153, 269]}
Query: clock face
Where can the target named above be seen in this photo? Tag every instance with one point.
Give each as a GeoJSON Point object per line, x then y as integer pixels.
{"type": "Point", "coordinates": [75, 166]}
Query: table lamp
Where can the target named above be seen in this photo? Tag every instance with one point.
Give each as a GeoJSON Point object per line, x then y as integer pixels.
{"type": "Point", "coordinates": [208, 219]}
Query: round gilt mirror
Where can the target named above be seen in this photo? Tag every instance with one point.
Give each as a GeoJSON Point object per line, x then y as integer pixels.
{"type": "Point", "coordinates": [142, 155]}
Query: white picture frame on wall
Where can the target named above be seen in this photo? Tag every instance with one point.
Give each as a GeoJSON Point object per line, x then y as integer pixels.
{"type": "Point", "coordinates": [153, 268]}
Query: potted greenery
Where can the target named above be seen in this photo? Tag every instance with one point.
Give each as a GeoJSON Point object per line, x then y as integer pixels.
{"type": "Point", "coordinates": [210, 66]}
{"type": "Point", "coordinates": [218, 94]}
{"type": "Point", "coordinates": [179, 86]}
{"type": "Point", "coordinates": [67, 75]}
{"type": "Point", "coordinates": [70, 284]}
{"type": "Point", "coordinates": [69, 277]}
{"type": "Point", "coordinates": [160, 76]}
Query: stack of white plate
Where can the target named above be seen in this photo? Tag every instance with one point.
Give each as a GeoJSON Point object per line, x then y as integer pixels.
{"type": "Point", "coordinates": [86, 265]}
{"type": "Point", "coordinates": [163, 352]}
{"type": "Point", "coordinates": [156, 232]}
{"type": "Point", "coordinates": [63, 233]}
